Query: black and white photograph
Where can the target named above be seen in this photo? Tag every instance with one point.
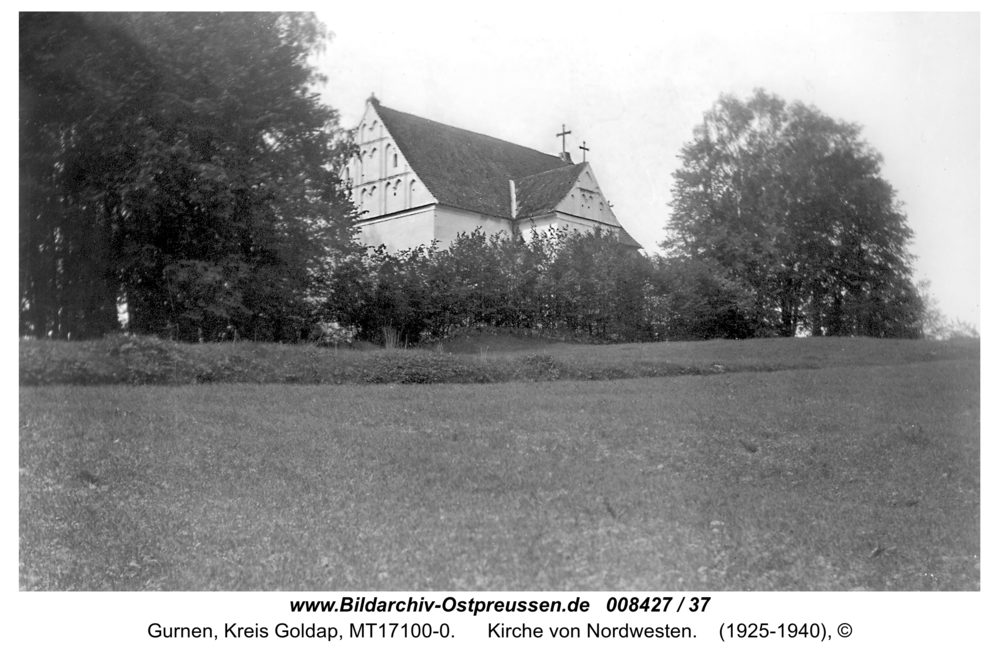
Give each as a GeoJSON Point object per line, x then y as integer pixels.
{"type": "Point", "coordinates": [384, 298]}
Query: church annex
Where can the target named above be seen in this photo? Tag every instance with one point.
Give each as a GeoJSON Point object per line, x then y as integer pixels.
{"type": "Point", "coordinates": [416, 181]}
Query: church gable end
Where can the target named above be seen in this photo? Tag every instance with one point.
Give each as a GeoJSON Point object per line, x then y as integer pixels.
{"type": "Point", "coordinates": [382, 181]}
{"type": "Point", "coordinates": [586, 200]}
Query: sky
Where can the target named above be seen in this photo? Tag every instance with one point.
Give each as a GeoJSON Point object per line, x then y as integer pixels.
{"type": "Point", "coordinates": [632, 82]}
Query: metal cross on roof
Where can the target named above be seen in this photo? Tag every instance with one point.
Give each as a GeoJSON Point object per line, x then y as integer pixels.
{"type": "Point", "coordinates": [584, 148]}
{"type": "Point", "coordinates": [563, 135]}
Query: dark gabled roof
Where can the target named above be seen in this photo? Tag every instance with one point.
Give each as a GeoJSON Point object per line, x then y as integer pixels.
{"type": "Point", "coordinates": [465, 169]}
{"type": "Point", "coordinates": [539, 194]}
{"type": "Point", "coordinates": [626, 239]}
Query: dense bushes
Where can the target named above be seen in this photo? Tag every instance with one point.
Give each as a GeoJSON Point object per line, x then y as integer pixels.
{"type": "Point", "coordinates": [585, 285]}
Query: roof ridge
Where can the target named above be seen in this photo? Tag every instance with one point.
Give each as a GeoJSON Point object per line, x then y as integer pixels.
{"type": "Point", "coordinates": [550, 171]}
{"type": "Point", "coordinates": [380, 106]}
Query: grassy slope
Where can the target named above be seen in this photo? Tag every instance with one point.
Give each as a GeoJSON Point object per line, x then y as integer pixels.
{"type": "Point", "coordinates": [804, 479]}
{"type": "Point", "coordinates": [483, 358]}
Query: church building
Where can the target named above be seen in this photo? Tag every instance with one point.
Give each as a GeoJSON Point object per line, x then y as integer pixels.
{"type": "Point", "coordinates": [416, 181]}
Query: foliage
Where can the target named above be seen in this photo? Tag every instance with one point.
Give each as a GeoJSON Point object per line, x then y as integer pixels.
{"type": "Point", "coordinates": [786, 212]}
{"type": "Point", "coordinates": [698, 302]}
{"type": "Point", "coordinates": [178, 164]}
{"type": "Point", "coordinates": [559, 281]}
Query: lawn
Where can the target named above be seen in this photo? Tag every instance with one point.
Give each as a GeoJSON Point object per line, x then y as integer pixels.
{"type": "Point", "coordinates": [833, 476]}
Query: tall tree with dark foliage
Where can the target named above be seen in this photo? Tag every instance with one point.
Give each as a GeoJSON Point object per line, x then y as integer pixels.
{"type": "Point", "coordinates": [786, 209]}
{"type": "Point", "coordinates": [179, 165]}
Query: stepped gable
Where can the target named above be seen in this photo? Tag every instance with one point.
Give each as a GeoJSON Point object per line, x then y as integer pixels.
{"type": "Point", "coordinates": [465, 169]}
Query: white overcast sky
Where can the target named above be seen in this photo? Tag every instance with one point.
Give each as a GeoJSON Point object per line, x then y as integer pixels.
{"type": "Point", "coordinates": [633, 82]}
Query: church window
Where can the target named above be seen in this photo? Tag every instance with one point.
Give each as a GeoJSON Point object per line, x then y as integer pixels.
{"type": "Point", "coordinates": [413, 193]}
{"type": "Point", "coordinates": [395, 201]}
{"type": "Point", "coordinates": [395, 160]}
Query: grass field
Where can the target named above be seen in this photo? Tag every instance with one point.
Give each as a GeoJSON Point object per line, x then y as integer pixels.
{"type": "Point", "coordinates": [855, 468]}
{"type": "Point", "coordinates": [475, 358]}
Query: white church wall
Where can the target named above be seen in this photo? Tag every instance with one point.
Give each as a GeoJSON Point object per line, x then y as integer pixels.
{"type": "Point", "coordinates": [559, 220]}
{"type": "Point", "coordinates": [450, 222]}
{"type": "Point", "coordinates": [399, 231]}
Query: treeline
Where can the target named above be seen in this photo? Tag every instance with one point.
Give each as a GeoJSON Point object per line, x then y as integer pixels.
{"type": "Point", "coordinates": [177, 171]}
{"type": "Point", "coordinates": [573, 284]}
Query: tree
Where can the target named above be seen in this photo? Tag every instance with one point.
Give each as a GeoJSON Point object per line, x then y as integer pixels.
{"type": "Point", "coordinates": [789, 205]}
{"type": "Point", "coordinates": [933, 322]}
{"type": "Point", "coordinates": [180, 164]}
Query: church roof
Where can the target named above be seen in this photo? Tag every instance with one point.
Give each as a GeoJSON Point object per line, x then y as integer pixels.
{"type": "Point", "coordinates": [472, 171]}
{"type": "Point", "coordinates": [540, 193]}
{"type": "Point", "coordinates": [626, 238]}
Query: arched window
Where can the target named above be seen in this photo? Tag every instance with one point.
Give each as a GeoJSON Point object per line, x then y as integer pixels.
{"type": "Point", "coordinates": [395, 160]}
{"type": "Point", "coordinates": [364, 200]}
{"type": "Point", "coordinates": [414, 194]}
{"type": "Point", "coordinates": [395, 201]}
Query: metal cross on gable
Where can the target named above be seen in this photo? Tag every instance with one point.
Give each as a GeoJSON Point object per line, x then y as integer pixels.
{"type": "Point", "coordinates": [563, 135]}
{"type": "Point", "coordinates": [584, 148]}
